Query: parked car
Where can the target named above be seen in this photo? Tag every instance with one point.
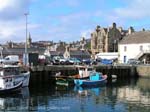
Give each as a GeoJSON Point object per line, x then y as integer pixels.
{"type": "Point", "coordinates": [107, 61]}
{"type": "Point", "coordinates": [86, 61]}
{"type": "Point", "coordinates": [63, 61]}
{"type": "Point", "coordinates": [55, 62]}
{"type": "Point", "coordinates": [134, 61]}
{"type": "Point", "coordinates": [93, 62]}
{"type": "Point", "coordinates": [98, 60]}
{"type": "Point", "coordinates": [74, 61]}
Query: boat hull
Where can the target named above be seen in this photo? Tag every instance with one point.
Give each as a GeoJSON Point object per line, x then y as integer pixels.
{"type": "Point", "coordinates": [64, 81]}
{"type": "Point", "coordinates": [67, 80]}
{"type": "Point", "coordinates": [80, 82]}
{"type": "Point", "coordinates": [24, 78]}
{"type": "Point", "coordinates": [14, 88]}
{"type": "Point", "coordinates": [8, 80]}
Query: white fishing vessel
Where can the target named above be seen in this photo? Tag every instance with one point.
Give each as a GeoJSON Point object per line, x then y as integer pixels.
{"type": "Point", "coordinates": [13, 75]}
{"type": "Point", "coordinates": [84, 71]}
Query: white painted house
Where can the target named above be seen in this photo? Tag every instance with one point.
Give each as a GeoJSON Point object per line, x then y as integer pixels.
{"type": "Point", "coordinates": [135, 46]}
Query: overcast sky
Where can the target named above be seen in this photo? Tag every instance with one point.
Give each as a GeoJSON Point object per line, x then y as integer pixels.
{"type": "Point", "coordinates": [68, 20]}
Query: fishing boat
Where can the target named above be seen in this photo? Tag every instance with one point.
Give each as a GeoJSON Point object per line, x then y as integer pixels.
{"type": "Point", "coordinates": [83, 73]}
{"type": "Point", "coordinates": [10, 75]}
{"type": "Point", "coordinates": [64, 81]}
{"type": "Point", "coordinates": [95, 78]}
{"type": "Point", "coordinates": [10, 86]}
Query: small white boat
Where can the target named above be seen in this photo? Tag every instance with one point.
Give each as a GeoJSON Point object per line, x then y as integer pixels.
{"type": "Point", "coordinates": [10, 75]}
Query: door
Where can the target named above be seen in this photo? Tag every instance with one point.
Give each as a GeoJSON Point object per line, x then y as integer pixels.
{"type": "Point", "coordinates": [125, 59]}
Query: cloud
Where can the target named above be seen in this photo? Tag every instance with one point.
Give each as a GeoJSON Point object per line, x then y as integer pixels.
{"type": "Point", "coordinates": [15, 30]}
{"type": "Point", "coordinates": [12, 19]}
{"type": "Point", "coordinates": [74, 18]}
{"type": "Point", "coordinates": [72, 27]}
{"type": "Point", "coordinates": [8, 29]}
{"type": "Point", "coordinates": [86, 33]}
{"type": "Point", "coordinates": [136, 9]}
{"type": "Point", "coordinates": [13, 9]}
{"type": "Point", "coordinates": [66, 20]}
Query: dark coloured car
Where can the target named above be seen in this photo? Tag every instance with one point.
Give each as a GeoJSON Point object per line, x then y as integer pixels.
{"type": "Point", "coordinates": [93, 62]}
{"type": "Point", "coordinates": [86, 61]}
{"type": "Point", "coordinates": [134, 61]}
{"type": "Point", "coordinates": [74, 61]}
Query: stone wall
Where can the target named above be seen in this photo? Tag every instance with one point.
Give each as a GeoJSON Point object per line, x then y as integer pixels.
{"type": "Point", "coordinates": [143, 71]}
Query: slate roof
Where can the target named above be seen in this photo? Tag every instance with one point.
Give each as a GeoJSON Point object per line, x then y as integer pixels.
{"type": "Point", "coordinates": [136, 38]}
{"type": "Point", "coordinates": [79, 52]}
{"type": "Point", "coordinates": [56, 53]}
{"type": "Point", "coordinates": [22, 50]}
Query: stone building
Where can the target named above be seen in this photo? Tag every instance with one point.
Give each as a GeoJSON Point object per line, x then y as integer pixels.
{"type": "Point", "coordinates": [106, 39]}
{"type": "Point", "coordinates": [98, 40]}
{"type": "Point", "coordinates": [79, 54]}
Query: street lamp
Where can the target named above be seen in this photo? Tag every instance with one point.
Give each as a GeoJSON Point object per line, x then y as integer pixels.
{"type": "Point", "coordinates": [1, 50]}
{"type": "Point", "coordinates": [26, 15]}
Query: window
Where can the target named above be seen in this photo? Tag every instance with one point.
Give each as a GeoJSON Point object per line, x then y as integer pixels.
{"type": "Point", "coordinates": [125, 48]}
{"type": "Point", "coordinates": [141, 48]}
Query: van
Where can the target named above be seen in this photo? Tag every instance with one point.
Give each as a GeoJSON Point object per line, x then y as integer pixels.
{"type": "Point", "coordinates": [11, 59]}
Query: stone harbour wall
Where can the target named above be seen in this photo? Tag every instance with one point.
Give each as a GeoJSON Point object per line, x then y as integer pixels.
{"type": "Point", "coordinates": [143, 70]}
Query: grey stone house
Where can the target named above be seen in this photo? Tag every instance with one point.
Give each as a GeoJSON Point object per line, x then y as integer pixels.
{"type": "Point", "coordinates": [80, 54]}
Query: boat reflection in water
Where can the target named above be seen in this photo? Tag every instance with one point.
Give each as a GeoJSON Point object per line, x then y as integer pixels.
{"type": "Point", "coordinates": [17, 101]}
{"type": "Point", "coordinates": [88, 94]}
{"type": "Point", "coordinates": [88, 90]}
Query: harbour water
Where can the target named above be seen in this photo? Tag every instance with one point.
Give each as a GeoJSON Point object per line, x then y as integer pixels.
{"type": "Point", "coordinates": [117, 96]}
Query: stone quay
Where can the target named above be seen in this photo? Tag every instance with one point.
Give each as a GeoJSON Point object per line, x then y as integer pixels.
{"type": "Point", "coordinates": [45, 73]}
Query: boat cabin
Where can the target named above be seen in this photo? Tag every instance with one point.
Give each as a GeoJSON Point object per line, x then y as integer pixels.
{"type": "Point", "coordinates": [95, 76]}
{"type": "Point", "coordinates": [84, 71]}
{"type": "Point", "coordinates": [9, 70]}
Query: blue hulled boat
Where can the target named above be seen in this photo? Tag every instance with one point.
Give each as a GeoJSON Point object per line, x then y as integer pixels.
{"type": "Point", "coordinates": [83, 73]}
{"type": "Point", "coordinates": [96, 78]}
